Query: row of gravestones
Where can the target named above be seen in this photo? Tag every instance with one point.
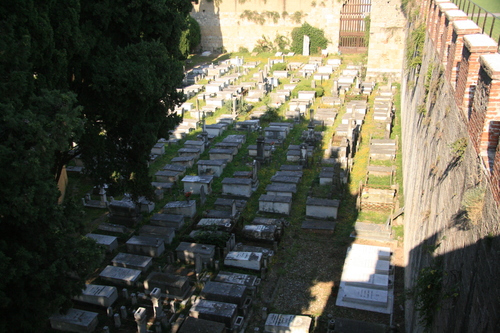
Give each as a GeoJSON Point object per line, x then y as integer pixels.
{"type": "Point", "coordinates": [267, 229]}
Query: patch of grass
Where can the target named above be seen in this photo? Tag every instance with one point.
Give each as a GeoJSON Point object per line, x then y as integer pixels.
{"type": "Point", "coordinates": [373, 216]}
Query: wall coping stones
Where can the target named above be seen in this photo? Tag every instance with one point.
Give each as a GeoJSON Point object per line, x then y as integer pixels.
{"type": "Point", "coordinates": [455, 14]}
{"type": "Point", "coordinates": [480, 43]}
{"type": "Point", "coordinates": [491, 65]}
{"type": "Point", "coordinates": [463, 27]}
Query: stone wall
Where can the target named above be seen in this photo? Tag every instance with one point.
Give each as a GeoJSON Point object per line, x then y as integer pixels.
{"type": "Point", "coordinates": [224, 27]}
{"type": "Point", "coordinates": [451, 182]}
{"type": "Point", "coordinates": [387, 37]}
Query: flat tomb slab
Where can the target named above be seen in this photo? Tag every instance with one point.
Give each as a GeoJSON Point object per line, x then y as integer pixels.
{"type": "Point", "coordinates": [187, 252]}
{"type": "Point", "coordinates": [285, 179]}
{"type": "Point", "coordinates": [376, 252]}
{"type": "Point", "coordinates": [175, 221]}
{"type": "Point", "coordinates": [283, 323]}
{"type": "Point", "coordinates": [165, 233]}
{"type": "Point", "coordinates": [216, 311]}
{"type": "Point", "coordinates": [365, 278]}
{"type": "Point", "coordinates": [224, 292]}
{"type": "Point", "coordinates": [237, 186]}
{"type": "Point", "coordinates": [133, 261]}
{"type": "Point", "coordinates": [249, 281]}
{"type": "Point", "coordinates": [150, 246]}
{"type": "Point", "coordinates": [186, 161]}
{"type": "Point", "coordinates": [110, 243]}
{"type": "Point", "coordinates": [184, 207]}
{"type": "Point", "coordinates": [75, 321]}
{"type": "Point", "coordinates": [343, 325]}
{"type": "Point", "coordinates": [291, 167]}
{"type": "Point", "coordinates": [278, 204]}
{"type": "Point", "coordinates": [120, 275]}
{"type": "Point", "coordinates": [322, 208]}
{"type": "Point", "coordinates": [246, 260]}
{"type": "Point", "coordinates": [365, 299]}
{"type": "Point", "coordinates": [98, 295]}
{"type": "Point", "coordinates": [319, 226]}
{"type": "Point", "coordinates": [260, 232]}
{"type": "Point", "coordinates": [175, 286]}
{"type": "Point", "coordinates": [219, 224]}
{"type": "Point", "coordinates": [227, 204]}
{"type": "Point", "coordinates": [281, 189]}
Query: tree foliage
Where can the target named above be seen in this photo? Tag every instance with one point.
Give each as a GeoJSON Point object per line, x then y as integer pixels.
{"type": "Point", "coordinates": [190, 38]}
{"type": "Point", "coordinates": [103, 75]}
{"type": "Point", "coordinates": [317, 38]}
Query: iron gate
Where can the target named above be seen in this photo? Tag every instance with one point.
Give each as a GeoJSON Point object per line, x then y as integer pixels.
{"type": "Point", "coordinates": [353, 25]}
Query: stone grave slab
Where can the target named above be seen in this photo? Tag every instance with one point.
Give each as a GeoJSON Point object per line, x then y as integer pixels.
{"type": "Point", "coordinates": [197, 325]}
{"type": "Point", "coordinates": [95, 294]}
{"type": "Point", "coordinates": [240, 138]}
{"type": "Point", "coordinates": [370, 251]}
{"type": "Point", "coordinates": [216, 311]}
{"type": "Point", "coordinates": [175, 221]}
{"type": "Point", "coordinates": [184, 207]}
{"type": "Point", "coordinates": [260, 232]}
{"type": "Point", "coordinates": [187, 253]}
{"type": "Point", "coordinates": [75, 320]}
{"type": "Point", "coordinates": [194, 183]}
{"type": "Point", "coordinates": [119, 229]}
{"type": "Point", "coordinates": [215, 129]}
{"type": "Point", "coordinates": [319, 226]}
{"type": "Point", "coordinates": [251, 282]}
{"type": "Point", "coordinates": [174, 286]}
{"type": "Point", "coordinates": [110, 243]}
{"type": "Point", "coordinates": [252, 248]}
{"type": "Point", "coordinates": [252, 151]}
{"type": "Point", "coordinates": [167, 176]}
{"type": "Point", "coordinates": [237, 186]}
{"type": "Point", "coordinates": [220, 224]}
{"type": "Point", "coordinates": [222, 154]}
{"type": "Point", "coordinates": [285, 179]}
{"type": "Point", "coordinates": [163, 187]}
{"type": "Point", "coordinates": [124, 212]}
{"type": "Point", "coordinates": [187, 161]}
{"type": "Point", "coordinates": [284, 323]}
{"type": "Point", "coordinates": [158, 149]}
{"type": "Point", "coordinates": [281, 189]}
{"type": "Point", "coordinates": [189, 151]}
{"type": "Point", "coordinates": [228, 145]}
{"type": "Point", "coordinates": [225, 292]}
{"type": "Point", "coordinates": [227, 204]}
{"type": "Point", "coordinates": [133, 261]}
{"type": "Point", "coordinates": [165, 233]}
{"type": "Point", "coordinates": [120, 275]}
{"type": "Point", "coordinates": [365, 278]}
{"type": "Point", "coordinates": [245, 260]}
{"type": "Point", "coordinates": [211, 167]}
{"type": "Point", "coordinates": [144, 245]}
{"type": "Point", "coordinates": [322, 208]}
{"type": "Point", "coordinates": [289, 174]}
{"type": "Point", "coordinates": [365, 299]}
{"type": "Point", "coordinates": [275, 204]}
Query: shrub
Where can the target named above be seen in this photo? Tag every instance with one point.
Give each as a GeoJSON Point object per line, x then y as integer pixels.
{"type": "Point", "coordinates": [317, 38]}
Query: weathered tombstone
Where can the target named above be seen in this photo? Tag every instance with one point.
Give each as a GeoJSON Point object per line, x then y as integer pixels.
{"type": "Point", "coordinates": [198, 325]}
{"type": "Point", "coordinates": [123, 312]}
{"type": "Point", "coordinates": [117, 320]}
{"type": "Point", "coordinates": [98, 295]}
{"type": "Point", "coordinates": [141, 320]}
{"type": "Point", "coordinates": [175, 286]}
{"type": "Point", "coordinates": [120, 275]}
{"type": "Point", "coordinates": [110, 243]}
{"type": "Point", "coordinates": [144, 245]}
{"type": "Point", "coordinates": [75, 320]}
{"type": "Point", "coordinates": [247, 260]}
{"type": "Point", "coordinates": [305, 46]}
{"type": "Point", "coordinates": [133, 261]}
{"type": "Point", "coordinates": [216, 311]}
{"type": "Point", "coordinates": [186, 252]}
{"type": "Point", "coordinates": [203, 197]}
{"type": "Point", "coordinates": [225, 292]}
{"type": "Point", "coordinates": [157, 306]}
{"type": "Point", "coordinates": [255, 174]}
{"type": "Point", "coordinates": [277, 323]}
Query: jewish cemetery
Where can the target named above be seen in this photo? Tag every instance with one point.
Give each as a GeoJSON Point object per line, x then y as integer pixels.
{"type": "Point", "coordinates": [251, 166]}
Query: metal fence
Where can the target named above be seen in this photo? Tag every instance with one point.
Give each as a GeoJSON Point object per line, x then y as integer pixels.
{"type": "Point", "coordinates": [488, 22]}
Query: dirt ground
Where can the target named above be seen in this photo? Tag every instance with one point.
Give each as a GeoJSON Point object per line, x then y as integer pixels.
{"type": "Point", "coordinates": [304, 279]}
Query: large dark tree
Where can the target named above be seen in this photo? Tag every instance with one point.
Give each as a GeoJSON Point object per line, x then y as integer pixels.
{"type": "Point", "coordinates": [127, 83]}
{"type": "Point", "coordinates": [101, 74]}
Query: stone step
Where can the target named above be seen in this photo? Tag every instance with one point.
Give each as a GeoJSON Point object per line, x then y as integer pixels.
{"type": "Point", "coordinates": [372, 231]}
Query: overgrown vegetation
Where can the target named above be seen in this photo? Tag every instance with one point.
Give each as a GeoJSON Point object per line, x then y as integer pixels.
{"type": "Point", "coordinates": [317, 38]}
{"type": "Point", "coordinates": [458, 147]}
{"type": "Point", "coordinates": [415, 48]}
{"type": "Point", "coordinates": [472, 204]}
{"type": "Point", "coordinates": [190, 38]}
{"type": "Point", "coordinates": [431, 289]}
